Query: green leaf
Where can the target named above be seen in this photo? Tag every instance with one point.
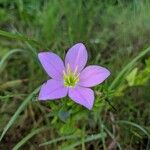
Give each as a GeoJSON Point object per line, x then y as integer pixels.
{"type": "Point", "coordinates": [63, 115]}
{"type": "Point", "coordinates": [132, 76]}
{"type": "Point", "coordinates": [68, 128]}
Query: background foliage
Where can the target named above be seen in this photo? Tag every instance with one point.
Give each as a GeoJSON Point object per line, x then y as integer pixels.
{"type": "Point", "coordinates": [116, 34]}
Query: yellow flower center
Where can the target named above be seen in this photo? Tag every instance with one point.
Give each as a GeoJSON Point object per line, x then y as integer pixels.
{"type": "Point", "coordinates": [70, 78]}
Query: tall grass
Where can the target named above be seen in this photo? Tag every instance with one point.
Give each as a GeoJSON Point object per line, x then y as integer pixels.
{"type": "Point", "coordinates": [116, 34]}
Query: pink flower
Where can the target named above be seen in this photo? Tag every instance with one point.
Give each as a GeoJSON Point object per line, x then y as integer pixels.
{"type": "Point", "coordinates": [71, 78]}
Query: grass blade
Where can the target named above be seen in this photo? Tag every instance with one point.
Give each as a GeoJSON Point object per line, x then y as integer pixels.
{"type": "Point", "coordinates": [29, 136]}
{"type": "Point", "coordinates": [134, 125]}
{"type": "Point", "coordinates": [17, 37]}
{"type": "Point", "coordinates": [58, 140]}
{"type": "Point", "coordinates": [5, 58]}
{"type": "Point", "coordinates": [88, 139]}
{"type": "Point", "coordinates": [112, 136]}
{"type": "Point", "coordinates": [129, 66]}
{"type": "Point", "coordinates": [19, 110]}
{"type": "Point", "coordinates": [12, 84]}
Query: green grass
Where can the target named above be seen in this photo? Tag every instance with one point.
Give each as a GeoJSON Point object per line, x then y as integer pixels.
{"type": "Point", "coordinates": [116, 34]}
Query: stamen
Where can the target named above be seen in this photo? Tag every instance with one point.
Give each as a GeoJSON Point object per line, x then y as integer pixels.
{"type": "Point", "coordinates": [70, 78]}
{"type": "Point", "coordinates": [68, 69]}
{"type": "Point", "coordinates": [64, 73]}
{"type": "Point", "coordinates": [76, 69]}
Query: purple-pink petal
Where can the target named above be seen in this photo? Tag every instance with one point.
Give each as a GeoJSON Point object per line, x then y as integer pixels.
{"type": "Point", "coordinates": [52, 89]}
{"type": "Point", "coordinates": [76, 56]}
{"type": "Point", "coordinates": [52, 64]}
{"type": "Point", "coordinates": [93, 75]}
{"type": "Point", "coordinates": [83, 96]}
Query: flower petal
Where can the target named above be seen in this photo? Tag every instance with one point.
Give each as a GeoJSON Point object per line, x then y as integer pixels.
{"type": "Point", "coordinates": [83, 96]}
{"type": "Point", "coordinates": [52, 64]}
{"type": "Point", "coordinates": [52, 89]}
{"type": "Point", "coordinates": [93, 75]}
{"type": "Point", "coordinates": [76, 57]}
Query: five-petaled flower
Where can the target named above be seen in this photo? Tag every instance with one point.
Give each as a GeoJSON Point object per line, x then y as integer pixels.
{"type": "Point", "coordinates": [71, 78]}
